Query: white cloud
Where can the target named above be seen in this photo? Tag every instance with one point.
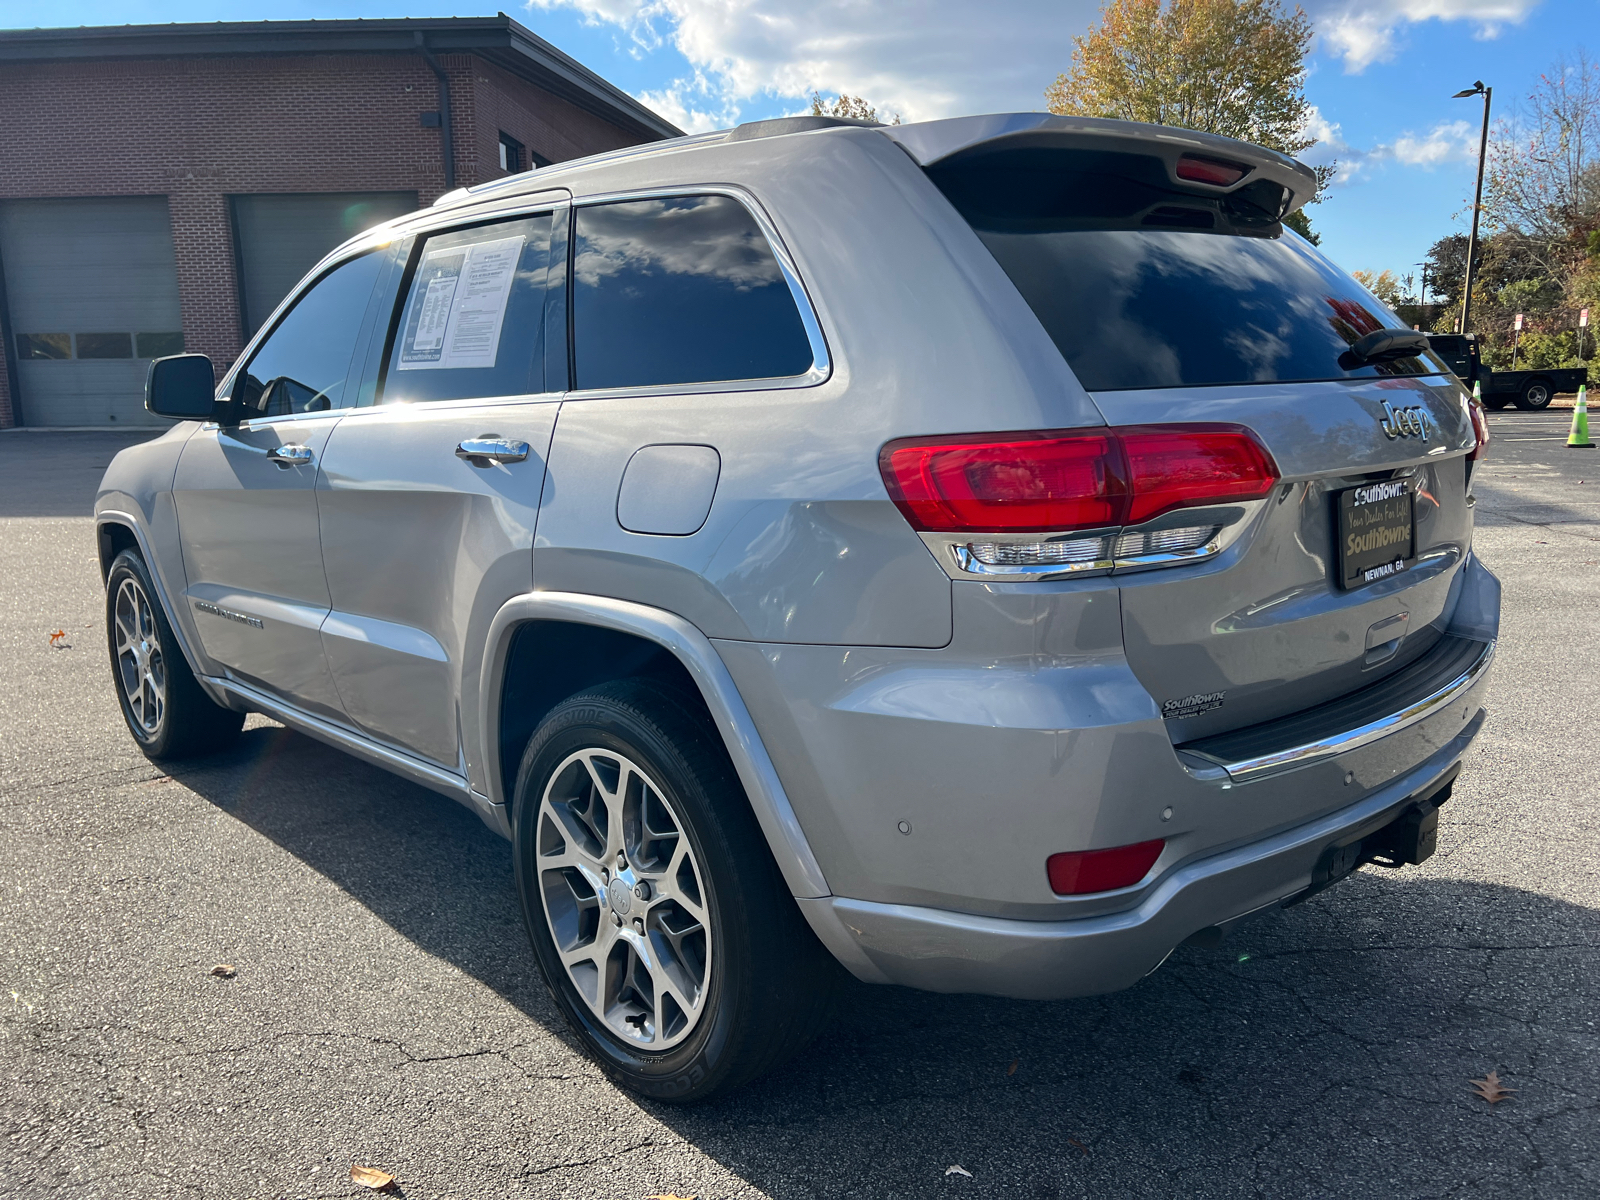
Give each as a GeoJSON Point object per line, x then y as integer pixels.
{"type": "Point", "coordinates": [1453, 142]}
{"type": "Point", "coordinates": [1448, 142]}
{"type": "Point", "coordinates": [920, 60]}
{"type": "Point", "coordinates": [1363, 32]}
{"type": "Point", "coordinates": [930, 58]}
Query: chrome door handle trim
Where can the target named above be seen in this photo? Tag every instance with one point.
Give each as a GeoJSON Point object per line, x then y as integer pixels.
{"type": "Point", "coordinates": [290, 456]}
{"type": "Point", "coordinates": [492, 447]}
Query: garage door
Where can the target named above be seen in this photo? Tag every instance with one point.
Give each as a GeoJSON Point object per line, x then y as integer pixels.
{"type": "Point", "coordinates": [93, 294]}
{"type": "Point", "coordinates": [280, 238]}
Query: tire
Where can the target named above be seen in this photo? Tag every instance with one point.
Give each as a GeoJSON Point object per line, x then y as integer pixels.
{"type": "Point", "coordinates": [684, 967]}
{"type": "Point", "coordinates": [167, 712]}
{"type": "Point", "coordinates": [1536, 395]}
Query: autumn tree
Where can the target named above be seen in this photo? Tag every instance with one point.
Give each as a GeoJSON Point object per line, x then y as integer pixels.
{"type": "Point", "coordinates": [1385, 285]}
{"type": "Point", "coordinates": [853, 107]}
{"type": "Point", "coordinates": [1234, 67]}
{"type": "Point", "coordinates": [1540, 256]}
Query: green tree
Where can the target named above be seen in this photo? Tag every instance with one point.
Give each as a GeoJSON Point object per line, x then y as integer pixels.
{"type": "Point", "coordinates": [1234, 67]}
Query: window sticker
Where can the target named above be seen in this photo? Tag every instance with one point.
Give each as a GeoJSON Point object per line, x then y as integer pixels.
{"type": "Point", "coordinates": [458, 303]}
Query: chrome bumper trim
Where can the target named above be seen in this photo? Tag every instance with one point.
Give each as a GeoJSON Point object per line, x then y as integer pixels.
{"type": "Point", "coordinates": [1279, 761]}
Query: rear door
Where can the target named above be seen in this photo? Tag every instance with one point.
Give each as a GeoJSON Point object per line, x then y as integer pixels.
{"type": "Point", "coordinates": [1176, 305]}
{"type": "Point", "coordinates": [430, 488]}
{"type": "Point", "coordinates": [246, 494]}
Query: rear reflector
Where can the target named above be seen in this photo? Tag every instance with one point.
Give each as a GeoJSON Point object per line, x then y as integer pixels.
{"type": "Point", "coordinates": [1211, 170]}
{"type": "Point", "coordinates": [1082, 479]}
{"type": "Point", "coordinates": [1085, 871]}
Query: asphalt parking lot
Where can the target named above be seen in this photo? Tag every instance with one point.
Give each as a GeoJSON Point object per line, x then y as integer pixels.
{"type": "Point", "coordinates": [386, 1009]}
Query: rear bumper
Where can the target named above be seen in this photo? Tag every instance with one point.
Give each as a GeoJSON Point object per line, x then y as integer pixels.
{"type": "Point", "coordinates": [944, 951]}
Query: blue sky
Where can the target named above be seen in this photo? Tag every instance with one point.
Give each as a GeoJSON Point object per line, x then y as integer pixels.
{"type": "Point", "coordinates": [1381, 79]}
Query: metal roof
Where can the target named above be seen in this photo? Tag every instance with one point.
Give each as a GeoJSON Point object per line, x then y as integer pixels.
{"type": "Point", "coordinates": [497, 39]}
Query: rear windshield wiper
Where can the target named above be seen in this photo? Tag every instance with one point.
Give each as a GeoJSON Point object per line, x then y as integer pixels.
{"type": "Point", "coordinates": [1384, 345]}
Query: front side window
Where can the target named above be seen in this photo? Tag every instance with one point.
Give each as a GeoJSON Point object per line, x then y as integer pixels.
{"type": "Point", "coordinates": [678, 291]}
{"type": "Point", "coordinates": [305, 361]}
{"type": "Point", "coordinates": [472, 324]}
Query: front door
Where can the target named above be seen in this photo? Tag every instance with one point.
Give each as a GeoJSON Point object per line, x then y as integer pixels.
{"type": "Point", "coordinates": [247, 501]}
{"type": "Point", "coordinates": [427, 497]}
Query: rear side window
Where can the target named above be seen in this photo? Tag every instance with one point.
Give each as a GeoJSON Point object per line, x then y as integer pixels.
{"type": "Point", "coordinates": [1143, 285]}
{"type": "Point", "coordinates": [680, 290]}
{"type": "Point", "coordinates": [472, 324]}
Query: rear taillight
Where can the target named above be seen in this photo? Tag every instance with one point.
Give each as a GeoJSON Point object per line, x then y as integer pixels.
{"type": "Point", "coordinates": [1085, 871]}
{"type": "Point", "coordinates": [1210, 170]}
{"type": "Point", "coordinates": [1060, 482]}
{"type": "Point", "coordinates": [1182, 466]}
{"type": "Point", "coordinates": [1480, 429]}
{"type": "Point", "coordinates": [1031, 483]}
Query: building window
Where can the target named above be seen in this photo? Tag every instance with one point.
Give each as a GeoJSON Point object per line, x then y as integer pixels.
{"type": "Point", "coordinates": [510, 154]}
{"type": "Point", "coordinates": [44, 345]}
{"type": "Point", "coordinates": [158, 345]}
{"type": "Point", "coordinates": [105, 345]}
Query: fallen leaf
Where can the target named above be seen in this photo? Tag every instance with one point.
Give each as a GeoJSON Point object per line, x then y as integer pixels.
{"type": "Point", "coordinates": [958, 1170]}
{"type": "Point", "coordinates": [226, 971]}
{"type": "Point", "coordinates": [669, 1196]}
{"type": "Point", "coordinates": [371, 1177]}
{"type": "Point", "coordinates": [1079, 1145]}
{"type": "Point", "coordinates": [1488, 1088]}
{"type": "Point", "coordinates": [1012, 1069]}
{"type": "Point", "coordinates": [55, 639]}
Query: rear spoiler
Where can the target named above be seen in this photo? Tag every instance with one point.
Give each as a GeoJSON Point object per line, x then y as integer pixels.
{"type": "Point", "coordinates": [931, 142]}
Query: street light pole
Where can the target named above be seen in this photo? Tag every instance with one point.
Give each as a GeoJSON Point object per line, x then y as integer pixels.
{"type": "Point", "coordinates": [1477, 89]}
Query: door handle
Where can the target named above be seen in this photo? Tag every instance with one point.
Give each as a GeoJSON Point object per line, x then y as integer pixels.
{"type": "Point", "coordinates": [491, 447]}
{"type": "Point", "coordinates": [290, 456]}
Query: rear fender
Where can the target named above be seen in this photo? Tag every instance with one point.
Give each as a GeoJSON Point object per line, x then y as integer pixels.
{"type": "Point", "coordinates": [705, 669]}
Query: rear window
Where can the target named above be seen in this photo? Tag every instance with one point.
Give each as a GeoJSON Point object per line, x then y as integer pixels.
{"type": "Point", "coordinates": [680, 290]}
{"type": "Point", "coordinates": [1143, 285]}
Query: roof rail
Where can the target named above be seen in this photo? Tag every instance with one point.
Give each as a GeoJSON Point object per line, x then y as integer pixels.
{"type": "Point", "coordinates": [779, 126]}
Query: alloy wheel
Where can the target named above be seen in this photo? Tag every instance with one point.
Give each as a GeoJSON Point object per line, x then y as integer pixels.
{"type": "Point", "coordinates": [624, 898]}
{"type": "Point", "coordinates": [141, 666]}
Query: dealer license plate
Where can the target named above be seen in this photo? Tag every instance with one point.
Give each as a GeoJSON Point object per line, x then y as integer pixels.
{"type": "Point", "coordinates": [1377, 537]}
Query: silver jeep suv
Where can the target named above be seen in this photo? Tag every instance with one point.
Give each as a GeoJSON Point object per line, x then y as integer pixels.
{"type": "Point", "coordinates": [983, 553]}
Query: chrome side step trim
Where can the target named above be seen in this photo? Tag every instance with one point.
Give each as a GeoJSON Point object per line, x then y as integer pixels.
{"type": "Point", "coordinates": [1247, 770]}
{"type": "Point", "coordinates": [446, 783]}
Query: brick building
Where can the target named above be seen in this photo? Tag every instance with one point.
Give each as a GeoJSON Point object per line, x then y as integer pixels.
{"type": "Point", "coordinates": [163, 186]}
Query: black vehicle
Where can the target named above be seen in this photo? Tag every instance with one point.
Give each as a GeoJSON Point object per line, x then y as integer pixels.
{"type": "Point", "coordinates": [1528, 390]}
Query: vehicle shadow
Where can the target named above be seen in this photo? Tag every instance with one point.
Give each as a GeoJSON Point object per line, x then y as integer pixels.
{"type": "Point", "coordinates": [1320, 1049]}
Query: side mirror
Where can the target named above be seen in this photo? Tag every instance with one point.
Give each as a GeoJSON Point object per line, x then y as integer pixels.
{"type": "Point", "coordinates": [182, 386]}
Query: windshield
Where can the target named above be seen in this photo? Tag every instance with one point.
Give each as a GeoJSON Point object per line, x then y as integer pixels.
{"type": "Point", "coordinates": [1225, 299]}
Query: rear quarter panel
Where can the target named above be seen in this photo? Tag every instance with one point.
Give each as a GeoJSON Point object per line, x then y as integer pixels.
{"type": "Point", "coordinates": [925, 335]}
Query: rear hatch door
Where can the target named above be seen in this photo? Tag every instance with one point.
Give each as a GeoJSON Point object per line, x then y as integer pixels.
{"type": "Point", "coordinates": [1161, 269]}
